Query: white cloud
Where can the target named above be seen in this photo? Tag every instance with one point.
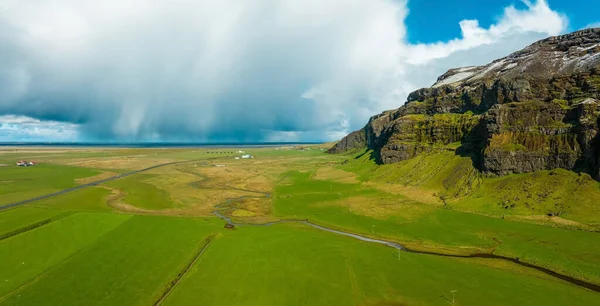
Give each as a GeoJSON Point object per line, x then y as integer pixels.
{"type": "Point", "coordinates": [537, 18]}
{"type": "Point", "coordinates": [232, 69]}
{"type": "Point", "coordinates": [19, 128]}
{"type": "Point", "coordinates": [592, 25]}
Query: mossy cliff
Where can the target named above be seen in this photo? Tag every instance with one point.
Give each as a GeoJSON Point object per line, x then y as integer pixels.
{"type": "Point", "coordinates": [536, 109]}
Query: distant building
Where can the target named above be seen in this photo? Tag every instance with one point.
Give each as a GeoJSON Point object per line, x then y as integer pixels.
{"type": "Point", "coordinates": [247, 156]}
{"type": "Point", "coordinates": [237, 158]}
{"type": "Point", "coordinates": [24, 163]}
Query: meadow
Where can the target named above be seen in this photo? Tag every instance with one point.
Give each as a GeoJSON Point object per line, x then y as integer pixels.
{"type": "Point", "coordinates": [153, 238]}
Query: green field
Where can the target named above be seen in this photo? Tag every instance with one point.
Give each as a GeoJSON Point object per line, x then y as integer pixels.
{"type": "Point", "coordinates": [27, 256]}
{"type": "Point", "coordinates": [295, 265]}
{"type": "Point", "coordinates": [141, 194]}
{"type": "Point", "coordinates": [136, 240]}
{"type": "Point", "coordinates": [15, 219]}
{"type": "Point", "coordinates": [133, 263]}
{"type": "Point", "coordinates": [571, 252]}
{"type": "Point", "coordinates": [91, 199]}
{"type": "Point", "coordinates": [19, 183]}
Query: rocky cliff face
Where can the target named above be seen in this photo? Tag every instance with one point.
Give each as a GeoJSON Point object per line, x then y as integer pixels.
{"type": "Point", "coordinates": [536, 109]}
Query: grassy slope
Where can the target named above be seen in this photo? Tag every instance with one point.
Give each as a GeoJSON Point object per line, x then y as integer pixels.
{"type": "Point", "coordinates": [27, 255]}
{"type": "Point", "coordinates": [130, 265]}
{"type": "Point", "coordinates": [296, 265]}
{"type": "Point", "coordinates": [454, 177]}
{"type": "Point", "coordinates": [19, 183]}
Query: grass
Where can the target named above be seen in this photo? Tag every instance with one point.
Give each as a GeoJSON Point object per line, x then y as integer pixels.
{"type": "Point", "coordinates": [429, 227]}
{"type": "Point", "coordinates": [141, 194]}
{"type": "Point", "coordinates": [17, 218]}
{"type": "Point", "coordinates": [132, 264]}
{"type": "Point", "coordinates": [536, 194]}
{"type": "Point", "coordinates": [296, 265]}
{"type": "Point", "coordinates": [19, 183]}
{"type": "Point", "coordinates": [92, 199]}
{"type": "Point", "coordinates": [454, 178]}
{"type": "Point", "coordinates": [433, 202]}
{"type": "Point", "coordinates": [28, 255]}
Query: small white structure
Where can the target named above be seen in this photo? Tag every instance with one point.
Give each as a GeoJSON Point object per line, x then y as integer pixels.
{"type": "Point", "coordinates": [24, 163]}
{"type": "Point", "coordinates": [245, 156]}
{"type": "Point", "coordinates": [237, 158]}
{"type": "Point", "coordinates": [240, 151]}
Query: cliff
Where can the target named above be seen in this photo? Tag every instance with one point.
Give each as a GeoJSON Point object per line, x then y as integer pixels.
{"type": "Point", "coordinates": [536, 109]}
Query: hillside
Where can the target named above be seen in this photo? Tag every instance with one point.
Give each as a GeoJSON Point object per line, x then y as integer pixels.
{"type": "Point", "coordinates": [536, 109]}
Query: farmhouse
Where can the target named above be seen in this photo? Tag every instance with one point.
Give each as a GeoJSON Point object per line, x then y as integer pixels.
{"type": "Point", "coordinates": [24, 163]}
{"type": "Point", "coordinates": [247, 156]}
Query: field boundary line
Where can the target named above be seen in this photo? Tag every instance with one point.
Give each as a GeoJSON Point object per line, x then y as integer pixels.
{"type": "Point", "coordinates": [35, 225]}
{"type": "Point", "coordinates": [58, 264]}
{"type": "Point", "coordinates": [173, 283]}
{"type": "Point", "coordinates": [39, 276]}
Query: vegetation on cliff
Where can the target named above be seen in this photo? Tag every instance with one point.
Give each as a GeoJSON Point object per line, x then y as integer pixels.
{"type": "Point", "coordinates": [536, 109]}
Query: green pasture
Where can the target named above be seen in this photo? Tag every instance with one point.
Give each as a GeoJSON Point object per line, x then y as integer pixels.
{"type": "Point", "coordinates": [14, 219]}
{"type": "Point", "coordinates": [92, 254]}
{"type": "Point", "coordinates": [141, 194]}
{"type": "Point", "coordinates": [91, 199]}
{"type": "Point", "coordinates": [28, 255]}
{"type": "Point", "coordinates": [571, 252]}
{"type": "Point", "coordinates": [297, 265]}
{"type": "Point", "coordinates": [132, 265]}
{"type": "Point", "coordinates": [20, 183]}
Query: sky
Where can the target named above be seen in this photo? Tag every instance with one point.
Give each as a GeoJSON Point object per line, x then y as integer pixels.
{"type": "Point", "coordinates": [243, 70]}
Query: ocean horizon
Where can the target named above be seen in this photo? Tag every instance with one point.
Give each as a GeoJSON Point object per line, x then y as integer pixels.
{"type": "Point", "coordinates": [154, 144]}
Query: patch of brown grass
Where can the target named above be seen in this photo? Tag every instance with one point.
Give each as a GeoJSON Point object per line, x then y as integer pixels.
{"type": "Point", "coordinates": [413, 193]}
{"type": "Point", "coordinates": [336, 175]}
{"type": "Point", "coordinates": [551, 221]}
{"type": "Point", "coordinates": [117, 163]}
{"type": "Point", "coordinates": [382, 207]}
{"type": "Point", "coordinates": [91, 179]}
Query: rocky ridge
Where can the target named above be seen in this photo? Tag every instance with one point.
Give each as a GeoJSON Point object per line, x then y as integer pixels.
{"type": "Point", "coordinates": [536, 109]}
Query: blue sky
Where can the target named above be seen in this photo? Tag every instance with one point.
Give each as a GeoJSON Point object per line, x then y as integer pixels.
{"type": "Point", "coordinates": [243, 70]}
{"type": "Point", "coordinates": [436, 20]}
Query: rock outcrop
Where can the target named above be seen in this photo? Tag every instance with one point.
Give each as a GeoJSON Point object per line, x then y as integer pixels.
{"type": "Point", "coordinates": [536, 109]}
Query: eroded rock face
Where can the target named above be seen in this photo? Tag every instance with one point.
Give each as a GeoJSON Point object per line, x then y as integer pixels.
{"type": "Point", "coordinates": [535, 109]}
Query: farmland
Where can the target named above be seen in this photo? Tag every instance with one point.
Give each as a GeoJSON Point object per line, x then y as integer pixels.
{"type": "Point", "coordinates": [153, 238]}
